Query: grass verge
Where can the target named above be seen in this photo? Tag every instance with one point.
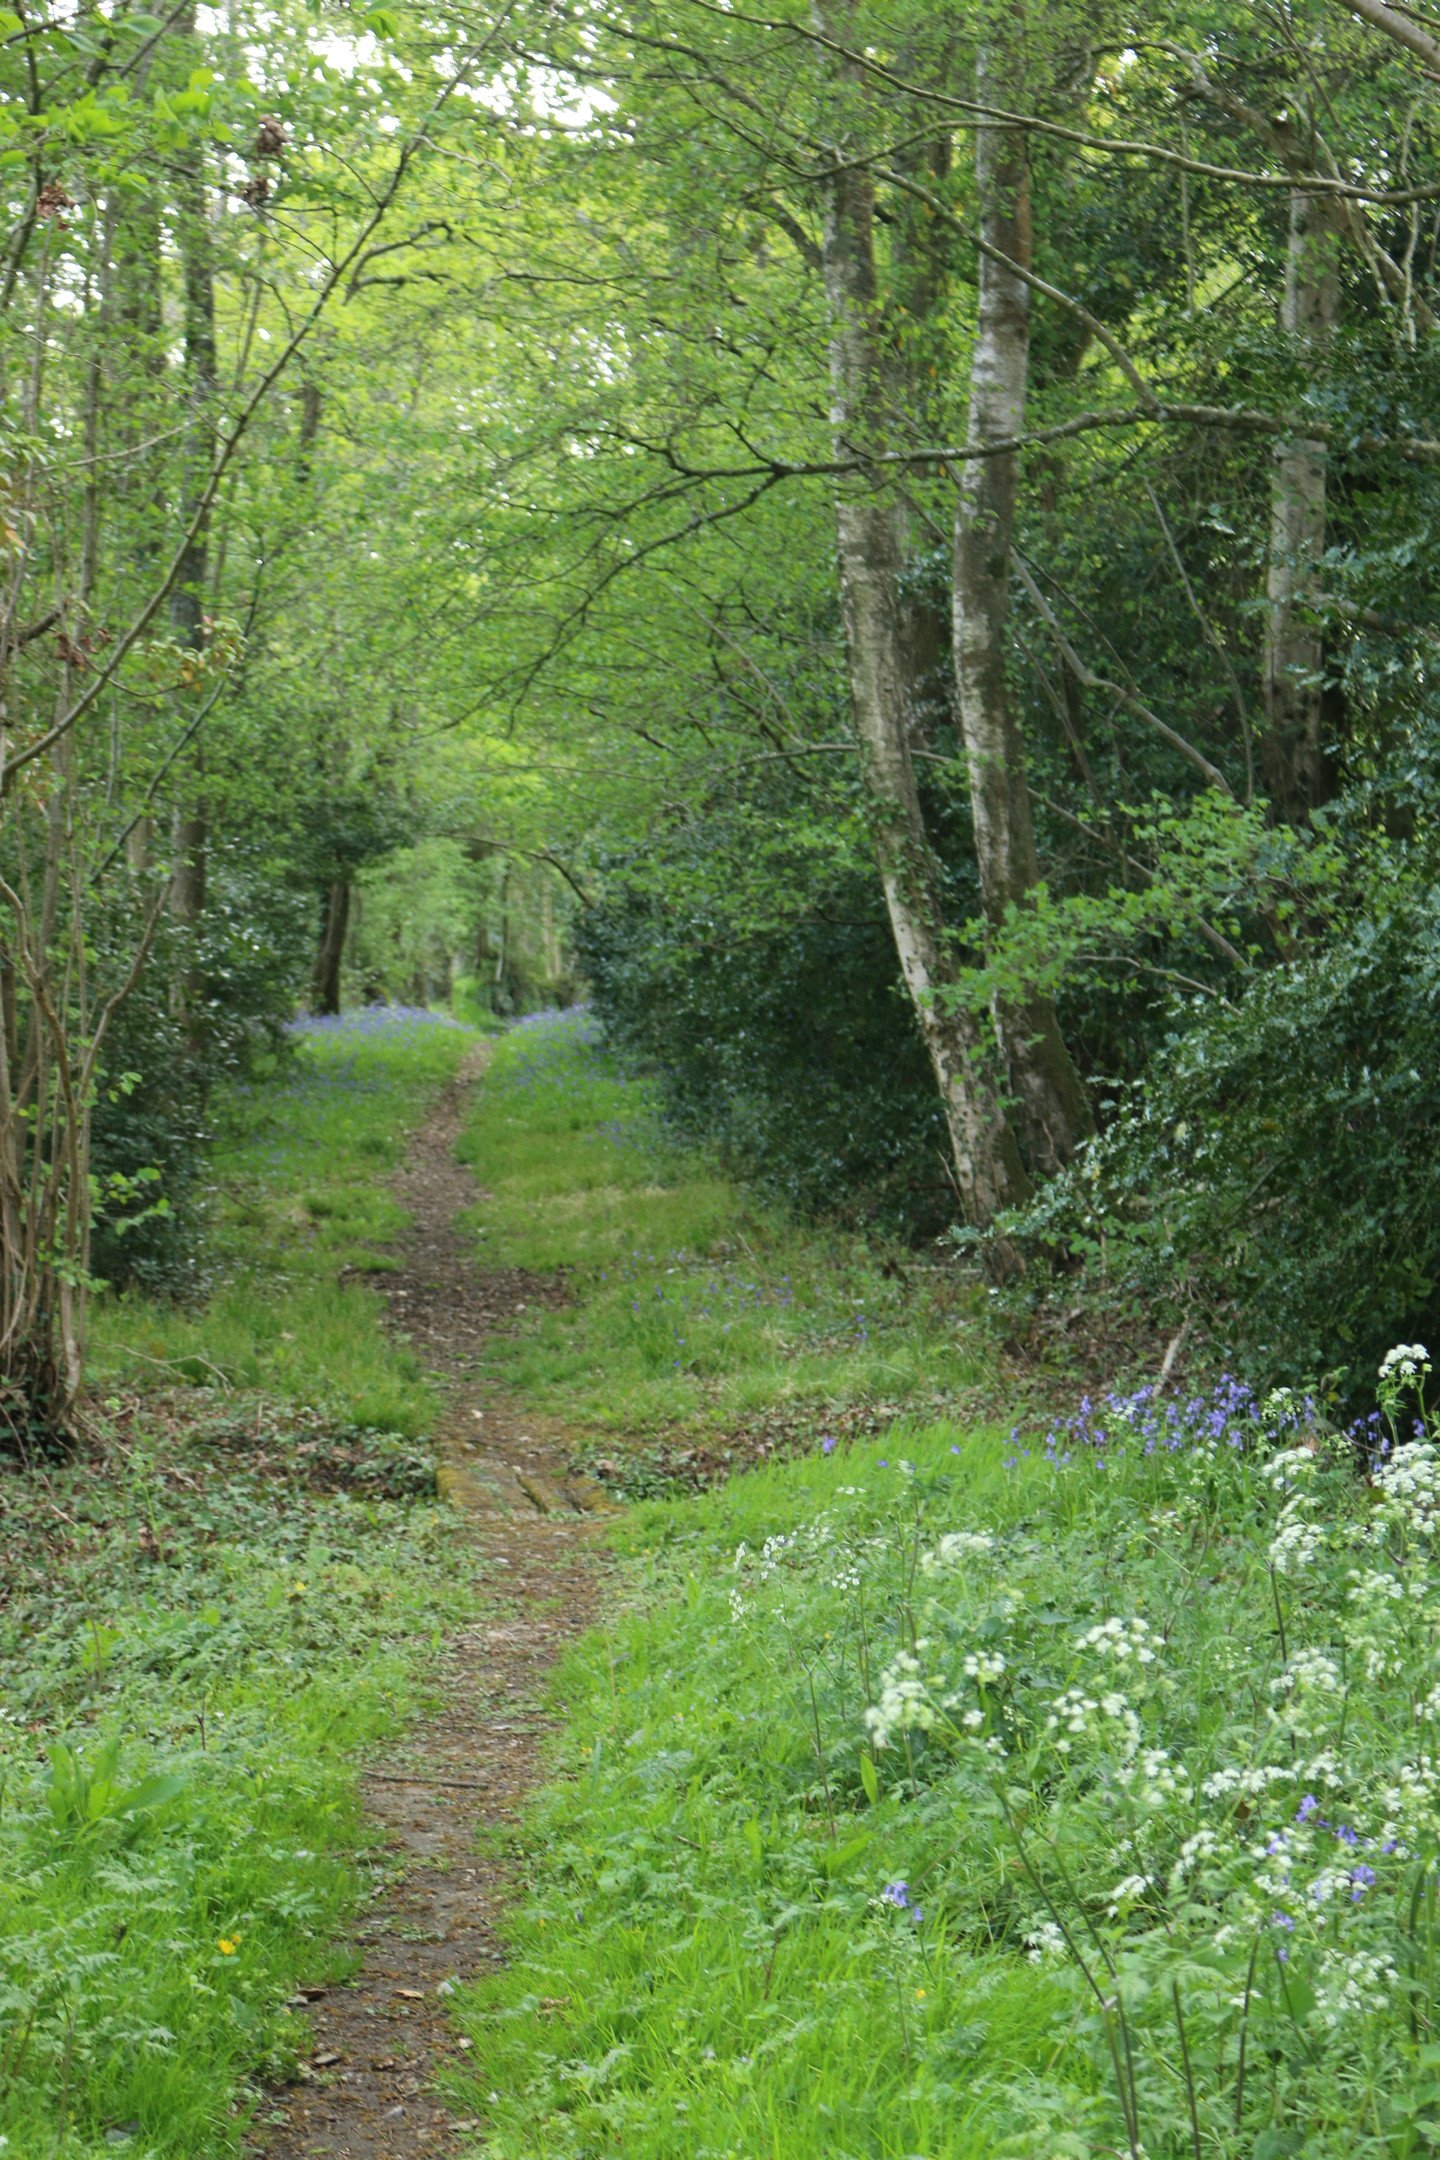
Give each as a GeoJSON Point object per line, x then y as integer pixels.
{"type": "Point", "coordinates": [699, 1310]}
{"type": "Point", "coordinates": [300, 1212]}
{"type": "Point", "coordinates": [203, 1621]}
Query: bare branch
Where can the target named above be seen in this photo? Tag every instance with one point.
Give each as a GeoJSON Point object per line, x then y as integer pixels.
{"type": "Point", "coordinates": [1137, 705]}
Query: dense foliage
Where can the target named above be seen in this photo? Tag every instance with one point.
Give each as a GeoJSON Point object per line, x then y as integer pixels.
{"type": "Point", "coordinates": [788, 1049]}
{"type": "Point", "coordinates": [1275, 1176]}
{"type": "Point", "coordinates": [540, 496]}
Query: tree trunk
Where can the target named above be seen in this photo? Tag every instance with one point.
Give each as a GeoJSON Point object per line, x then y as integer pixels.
{"type": "Point", "coordinates": [187, 600]}
{"type": "Point", "coordinates": [921, 247]}
{"type": "Point", "coordinates": [1050, 1103]}
{"type": "Point", "coordinates": [987, 1167]}
{"type": "Point", "coordinates": [325, 990]}
{"type": "Point", "coordinates": [1294, 756]}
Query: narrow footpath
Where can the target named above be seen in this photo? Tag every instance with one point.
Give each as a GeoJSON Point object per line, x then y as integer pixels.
{"type": "Point", "coordinates": [367, 2092]}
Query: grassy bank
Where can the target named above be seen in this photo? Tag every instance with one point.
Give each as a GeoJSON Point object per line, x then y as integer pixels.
{"type": "Point", "coordinates": [300, 1205]}
{"type": "Point", "coordinates": [947, 1793]}
{"type": "Point", "coordinates": [203, 1620]}
{"type": "Point", "coordinates": [698, 1308]}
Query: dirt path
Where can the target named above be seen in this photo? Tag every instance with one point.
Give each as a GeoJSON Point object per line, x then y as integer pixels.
{"type": "Point", "coordinates": [367, 2093]}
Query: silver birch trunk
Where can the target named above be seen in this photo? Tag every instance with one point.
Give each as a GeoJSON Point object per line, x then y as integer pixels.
{"type": "Point", "coordinates": [191, 827]}
{"type": "Point", "coordinates": [1294, 755]}
{"type": "Point", "coordinates": [1050, 1105]}
{"type": "Point", "coordinates": [986, 1160]}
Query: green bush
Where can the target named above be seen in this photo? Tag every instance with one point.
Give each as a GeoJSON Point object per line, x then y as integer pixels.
{"type": "Point", "coordinates": [1278, 1169]}
{"type": "Point", "coordinates": [162, 1067]}
{"type": "Point", "coordinates": [788, 1049]}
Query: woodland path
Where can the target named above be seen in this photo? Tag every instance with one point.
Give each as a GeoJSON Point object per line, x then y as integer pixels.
{"type": "Point", "coordinates": [380, 2039]}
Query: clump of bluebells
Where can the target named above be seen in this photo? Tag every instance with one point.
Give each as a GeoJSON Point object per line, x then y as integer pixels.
{"type": "Point", "coordinates": [1147, 1422]}
{"type": "Point", "coordinates": [1168, 1728]}
{"type": "Point", "coordinates": [367, 1021]}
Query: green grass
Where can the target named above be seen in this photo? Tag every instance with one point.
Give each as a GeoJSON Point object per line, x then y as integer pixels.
{"type": "Point", "coordinates": [301, 1192]}
{"type": "Point", "coordinates": [947, 1796]}
{"type": "Point", "coordinates": [204, 1621]}
{"type": "Point", "coordinates": [697, 1306]}
{"type": "Point", "coordinates": [703, 1964]}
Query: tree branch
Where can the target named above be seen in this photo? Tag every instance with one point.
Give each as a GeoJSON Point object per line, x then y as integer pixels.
{"type": "Point", "coordinates": [1400, 29]}
{"type": "Point", "coordinates": [207, 494]}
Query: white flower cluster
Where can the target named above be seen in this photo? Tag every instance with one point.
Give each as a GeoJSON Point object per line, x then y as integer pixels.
{"type": "Point", "coordinates": [1407, 1361]}
{"type": "Point", "coordinates": [1291, 1467]}
{"type": "Point", "coordinates": [1298, 1541]}
{"type": "Point", "coordinates": [1127, 1894]}
{"type": "Point", "coordinates": [956, 1547]}
{"type": "Point", "coordinates": [984, 1667]}
{"type": "Point", "coordinates": [1411, 1799]}
{"type": "Point", "coordinates": [1126, 1641]}
{"type": "Point", "coordinates": [1200, 1846]}
{"type": "Point", "coordinates": [909, 1701]}
{"type": "Point", "coordinates": [1247, 1782]}
{"type": "Point", "coordinates": [1353, 1982]}
{"type": "Point", "coordinates": [1309, 1672]}
{"type": "Point", "coordinates": [1107, 1718]}
{"type": "Point", "coordinates": [792, 1556]}
{"type": "Point", "coordinates": [1409, 1488]}
{"type": "Point", "coordinates": [912, 1700]}
{"type": "Point", "coordinates": [1154, 1779]}
{"type": "Point", "coordinates": [1377, 1637]}
{"type": "Point", "coordinates": [1044, 1941]}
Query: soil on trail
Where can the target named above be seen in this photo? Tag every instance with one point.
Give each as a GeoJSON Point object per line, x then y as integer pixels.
{"type": "Point", "coordinates": [367, 2092]}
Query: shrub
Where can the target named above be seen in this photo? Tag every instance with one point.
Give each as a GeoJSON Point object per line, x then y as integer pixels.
{"type": "Point", "coordinates": [1278, 1169]}
{"type": "Point", "coordinates": [162, 1065]}
{"type": "Point", "coordinates": [789, 1049]}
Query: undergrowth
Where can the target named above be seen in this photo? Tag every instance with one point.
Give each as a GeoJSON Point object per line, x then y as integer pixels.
{"type": "Point", "coordinates": [961, 1794]}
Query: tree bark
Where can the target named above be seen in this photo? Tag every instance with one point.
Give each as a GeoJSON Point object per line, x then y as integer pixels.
{"type": "Point", "coordinates": [920, 252]}
{"type": "Point", "coordinates": [1294, 757]}
{"type": "Point", "coordinates": [325, 992]}
{"type": "Point", "coordinates": [1050, 1104]}
{"type": "Point", "coordinates": [986, 1161]}
{"type": "Point", "coordinates": [187, 601]}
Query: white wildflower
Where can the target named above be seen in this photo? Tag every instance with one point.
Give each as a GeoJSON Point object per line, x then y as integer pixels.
{"type": "Point", "coordinates": [954, 1548]}
{"type": "Point", "coordinates": [1126, 1894]}
{"type": "Point", "coordinates": [1353, 1983]}
{"type": "Point", "coordinates": [1291, 1467]}
{"type": "Point", "coordinates": [1409, 1487]}
{"type": "Point", "coordinates": [1127, 1641]}
{"type": "Point", "coordinates": [984, 1667]}
{"type": "Point", "coordinates": [1296, 1541]}
{"type": "Point", "coordinates": [906, 1702]}
{"type": "Point", "coordinates": [1044, 1941]}
{"type": "Point", "coordinates": [1309, 1669]}
{"type": "Point", "coordinates": [1407, 1361]}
